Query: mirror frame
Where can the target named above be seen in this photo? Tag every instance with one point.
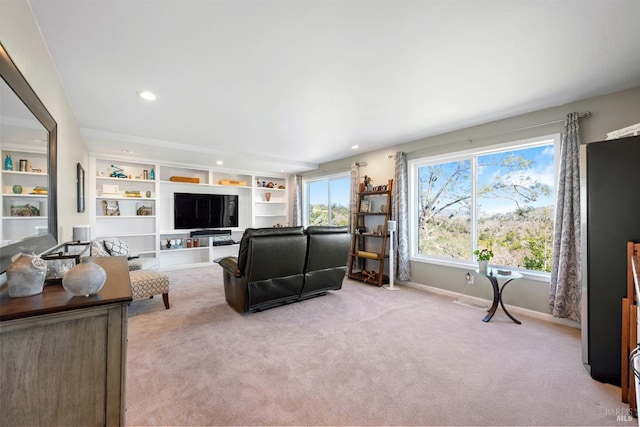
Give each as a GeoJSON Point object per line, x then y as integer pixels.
{"type": "Point", "coordinates": [17, 82]}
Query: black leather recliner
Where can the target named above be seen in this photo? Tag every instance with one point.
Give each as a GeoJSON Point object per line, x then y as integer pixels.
{"type": "Point", "coordinates": [277, 266]}
{"type": "Point", "coordinates": [326, 264]}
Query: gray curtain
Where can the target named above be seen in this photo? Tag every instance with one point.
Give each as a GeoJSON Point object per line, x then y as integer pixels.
{"type": "Point", "coordinates": [565, 288]}
{"type": "Point", "coordinates": [297, 202]}
{"type": "Point", "coordinates": [355, 182]}
{"type": "Point", "coordinates": [400, 214]}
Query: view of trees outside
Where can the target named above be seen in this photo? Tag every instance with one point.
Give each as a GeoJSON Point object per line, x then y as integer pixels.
{"type": "Point", "coordinates": [329, 201]}
{"type": "Point", "coordinates": [514, 199]}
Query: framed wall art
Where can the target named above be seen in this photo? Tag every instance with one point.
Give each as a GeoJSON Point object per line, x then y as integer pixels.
{"type": "Point", "coordinates": [80, 188]}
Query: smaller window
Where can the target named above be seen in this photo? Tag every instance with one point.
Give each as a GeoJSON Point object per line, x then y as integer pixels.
{"type": "Point", "coordinates": [327, 201]}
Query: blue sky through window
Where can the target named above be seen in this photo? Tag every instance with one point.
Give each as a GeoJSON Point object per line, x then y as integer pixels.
{"type": "Point", "coordinates": [340, 188]}
{"type": "Point", "coordinates": [541, 170]}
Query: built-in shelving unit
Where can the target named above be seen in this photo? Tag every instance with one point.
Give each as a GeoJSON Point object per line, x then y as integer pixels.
{"type": "Point", "coordinates": [125, 204]}
{"type": "Point", "coordinates": [148, 234]}
{"type": "Point", "coordinates": [270, 202]}
{"type": "Point", "coordinates": [24, 203]}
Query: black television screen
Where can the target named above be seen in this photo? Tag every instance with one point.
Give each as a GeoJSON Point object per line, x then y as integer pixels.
{"type": "Point", "coordinates": [205, 210]}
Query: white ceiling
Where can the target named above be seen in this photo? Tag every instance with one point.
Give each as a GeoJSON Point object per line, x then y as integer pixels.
{"type": "Point", "coordinates": [276, 85]}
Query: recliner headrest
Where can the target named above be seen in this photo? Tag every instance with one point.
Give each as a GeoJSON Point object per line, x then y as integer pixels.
{"type": "Point", "coordinates": [262, 232]}
{"type": "Point", "coordinates": [326, 229]}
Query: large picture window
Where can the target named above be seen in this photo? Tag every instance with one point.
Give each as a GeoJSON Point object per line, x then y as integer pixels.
{"type": "Point", "coordinates": [327, 201]}
{"type": "Point", "coordinates": [500, 198]}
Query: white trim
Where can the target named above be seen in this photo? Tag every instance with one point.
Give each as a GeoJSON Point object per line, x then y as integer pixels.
{"type": "Point", "coordinates": [628, 131]}
{"type": "Point", "coordinates": [485, 302]}
{"type": "Point", "coordinates": [327, 177]}
{"type": "Point", "coordinates": [537, 276]}
{"type": "Point", "coordinates": [479, 151]}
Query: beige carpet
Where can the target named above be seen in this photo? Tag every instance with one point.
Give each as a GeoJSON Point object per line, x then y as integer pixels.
{"type": "Point", "coordinates": [360, 356]}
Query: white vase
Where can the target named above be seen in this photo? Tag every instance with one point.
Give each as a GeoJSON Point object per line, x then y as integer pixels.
{"type": "Point", "coordinates": [86, 278]}
{"type": "Point", "coordinates": [25, 275]}
{"type": "Point", "coordinates": [483, 267]}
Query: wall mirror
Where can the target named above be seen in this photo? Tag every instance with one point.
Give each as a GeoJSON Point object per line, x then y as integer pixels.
{"type": "Point", "coordinates": [28, 145]}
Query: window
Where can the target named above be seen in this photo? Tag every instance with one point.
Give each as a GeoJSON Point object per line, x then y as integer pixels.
{"type": "Point", "coordinates": [501, 198]}
{"type": "Point", "coordinates": [327, 201]}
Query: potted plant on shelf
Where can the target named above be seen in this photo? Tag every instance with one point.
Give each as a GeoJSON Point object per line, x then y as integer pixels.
{"type": "Point", "coordinates": [483, 256]}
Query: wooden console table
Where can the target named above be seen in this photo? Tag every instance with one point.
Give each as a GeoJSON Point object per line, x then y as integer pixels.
{"type": "Point", "coordinates": [63, 358]}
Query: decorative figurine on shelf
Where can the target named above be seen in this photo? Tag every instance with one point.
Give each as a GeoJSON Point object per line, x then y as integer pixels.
{"type": "Point", "coordinates": [117, 172]}
{"type": "Point", "coordinates": [8, 163]}
{"type": "Point", "coordinates": [367, 183]}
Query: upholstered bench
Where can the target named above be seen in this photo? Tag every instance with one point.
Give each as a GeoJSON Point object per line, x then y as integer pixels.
{"type": "Point", "coordinates": [147, 283]}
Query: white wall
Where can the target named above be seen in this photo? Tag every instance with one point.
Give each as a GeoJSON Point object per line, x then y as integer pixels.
{"type": "Point", "coordinates": [610, 112]}
{"type": "Point", "coordinates": [21, 38]}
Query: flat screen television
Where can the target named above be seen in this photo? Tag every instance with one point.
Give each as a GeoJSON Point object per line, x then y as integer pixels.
{"type": "Point", "coordinates": [205, 210]}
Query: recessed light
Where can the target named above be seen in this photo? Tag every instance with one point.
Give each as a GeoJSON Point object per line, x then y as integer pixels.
{"type": "Point", "coordinates": [125, 151]}
{"type": "Point", "coordinates": [355, 147]}
{"type": "Point", "coordinates": [145, 94]}
{"type": "Point", "coordinates": [219, 162]}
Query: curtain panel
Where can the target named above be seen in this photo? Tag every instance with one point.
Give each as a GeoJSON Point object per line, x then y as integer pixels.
{"type": "Point", "coordinates": [565, 288]}
{"type": "Point", "coordinates": [353, 209]}
{"type": "Point", "coordinates": [297, 202]}
{"type": "Point", "coordinates": [400, 214]}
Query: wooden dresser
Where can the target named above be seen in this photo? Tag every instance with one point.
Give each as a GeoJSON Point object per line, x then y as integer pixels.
{"type": "Point", "coordinates": [63, 358]}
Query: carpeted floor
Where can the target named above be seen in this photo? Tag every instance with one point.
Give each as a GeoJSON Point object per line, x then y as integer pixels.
{"type": "Point", "coordinates": [359, 356]}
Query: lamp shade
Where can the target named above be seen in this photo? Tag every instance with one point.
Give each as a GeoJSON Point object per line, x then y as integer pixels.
{"type": "Point", "coordinates": [81, 233]}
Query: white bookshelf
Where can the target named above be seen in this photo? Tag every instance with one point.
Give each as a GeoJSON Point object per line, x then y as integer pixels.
{"type": "Point", "coordinates": [147, 235]}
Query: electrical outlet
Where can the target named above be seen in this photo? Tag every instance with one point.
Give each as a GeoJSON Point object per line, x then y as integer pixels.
{"type": "Point", "coordinates": [470, 279]}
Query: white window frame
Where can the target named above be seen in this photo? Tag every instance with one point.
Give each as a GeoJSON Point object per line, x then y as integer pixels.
{"type": "Point", "coordinates": [415, 164]}
{"type": "Point", "coordinates": [305, 192]}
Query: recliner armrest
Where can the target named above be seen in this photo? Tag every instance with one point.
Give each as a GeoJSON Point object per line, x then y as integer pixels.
{"type": "Point", "coordinates": [230, 264]}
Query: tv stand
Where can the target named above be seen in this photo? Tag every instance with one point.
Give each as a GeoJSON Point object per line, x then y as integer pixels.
{"type": "Point", "coordinates": [211, 244]}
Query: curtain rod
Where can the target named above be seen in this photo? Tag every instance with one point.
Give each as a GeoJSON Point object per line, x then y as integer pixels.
{"type": "Point", "coordinates": [580, 116]}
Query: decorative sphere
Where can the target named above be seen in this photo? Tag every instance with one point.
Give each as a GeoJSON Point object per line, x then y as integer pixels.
{"type": "Point", "coordinates": [86, 278]}
{"type": "Point", "coordinates": [17, 189]}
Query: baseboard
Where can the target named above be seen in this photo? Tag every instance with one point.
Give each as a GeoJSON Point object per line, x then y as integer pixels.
{"type": "Point", "coordinates": [479, 302]}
